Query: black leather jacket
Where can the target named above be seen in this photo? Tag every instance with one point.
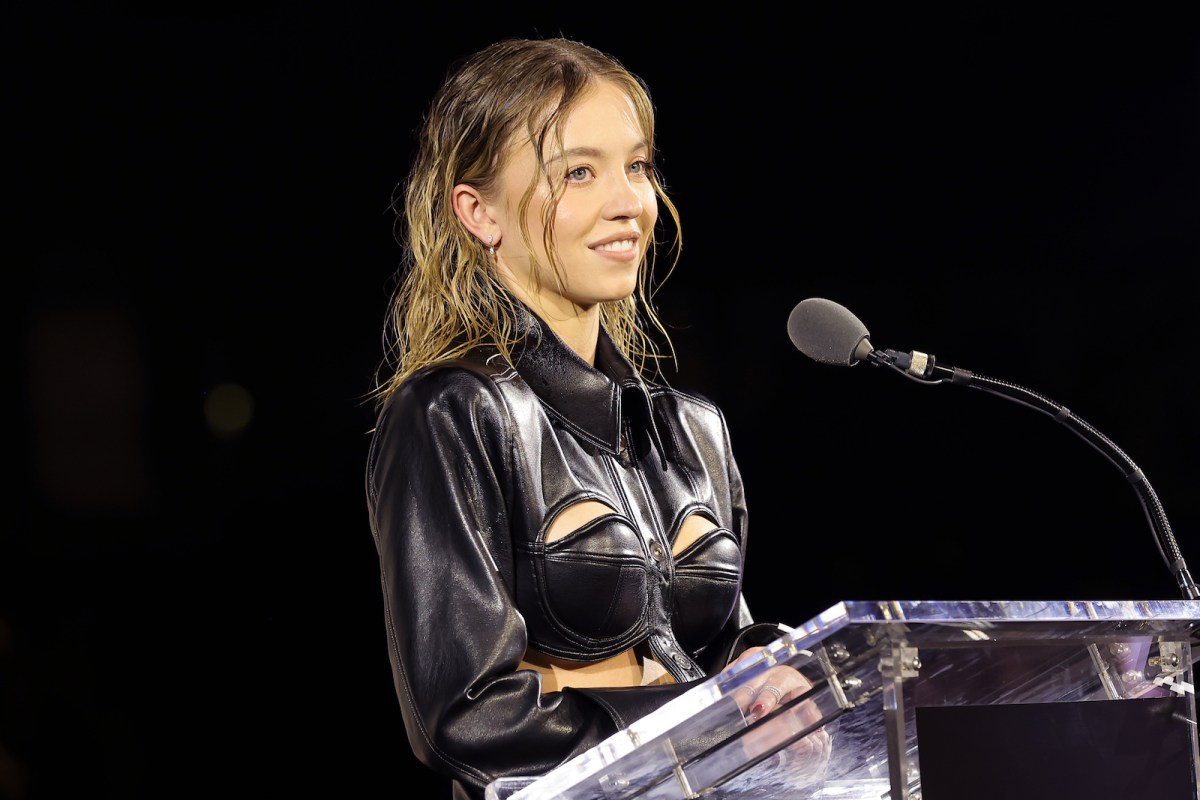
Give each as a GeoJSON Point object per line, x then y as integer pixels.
{"type": "Point", "coordinates": [469, 464]}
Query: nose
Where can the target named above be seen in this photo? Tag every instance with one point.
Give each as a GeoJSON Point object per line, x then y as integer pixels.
{"type": "Point", "coordinates": [624, 200]}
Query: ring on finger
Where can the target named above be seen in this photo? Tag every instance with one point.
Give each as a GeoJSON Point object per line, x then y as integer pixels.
{"type": "Point", "coordinates": [766, 687]}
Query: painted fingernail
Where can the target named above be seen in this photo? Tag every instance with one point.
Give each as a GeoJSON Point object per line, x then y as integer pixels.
{"type": "Point", "coordinates": [756, 711]}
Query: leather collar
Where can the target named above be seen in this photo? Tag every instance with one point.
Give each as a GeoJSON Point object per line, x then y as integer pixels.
{"type": "Point", "coordinates": [589, 400]}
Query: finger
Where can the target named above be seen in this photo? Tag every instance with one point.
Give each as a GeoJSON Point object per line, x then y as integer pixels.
{"type": "Point", "coordinates": [778, 686]}
{"type": "Point", "coordinates": [793, 682]}
{"type": "Point", "coordinates": [744, 696]}
{"type": "Point", "coordinates": [766, 699]}
{"type": "Point", "coordinates": [815, 747]}
{"type": "Point", "coordinates": [768, 691]}
{"type": "Point", "coordinates": [807, 712]}
{"type": "Point", "coordinates": [775, 687]}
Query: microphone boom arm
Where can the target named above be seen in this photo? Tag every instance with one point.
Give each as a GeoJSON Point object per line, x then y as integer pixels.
{"type": "Point", "coordinates": [924, 368]}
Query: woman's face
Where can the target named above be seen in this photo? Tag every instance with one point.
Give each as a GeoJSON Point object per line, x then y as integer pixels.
{"type": "Point", "coordinates": [605, 217]}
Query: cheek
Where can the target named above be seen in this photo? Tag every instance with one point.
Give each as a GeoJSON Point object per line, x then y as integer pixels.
{"type": "Point", "coordinates": [650, 206]}
{"type": "Point", "coordinates": [572, 221]}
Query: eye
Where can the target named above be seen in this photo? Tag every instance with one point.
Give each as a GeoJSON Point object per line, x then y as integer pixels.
{"type": "Point", "coordinates": [641, 167]}
{"type": "Point", "coordinates": [579, 174]}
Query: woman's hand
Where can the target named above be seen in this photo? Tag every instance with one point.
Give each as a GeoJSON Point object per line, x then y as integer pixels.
{"type": "Point", "coordinates": [775, 687]}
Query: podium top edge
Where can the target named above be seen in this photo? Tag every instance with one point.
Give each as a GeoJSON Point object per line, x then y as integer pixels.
{"type": "Point", "coordinates": [855, 611]}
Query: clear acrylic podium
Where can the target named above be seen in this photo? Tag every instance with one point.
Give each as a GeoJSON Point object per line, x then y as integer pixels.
{"type": "Point", "coordinates": [923, 700]}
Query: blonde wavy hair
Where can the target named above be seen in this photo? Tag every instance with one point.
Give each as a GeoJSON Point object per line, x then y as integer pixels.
{"type": "Point", "coordinates": [449, 298]}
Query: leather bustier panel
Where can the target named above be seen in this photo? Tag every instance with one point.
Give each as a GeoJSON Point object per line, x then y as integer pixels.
{"type": "Point", "coordinates": [589, 594]}
{"type": "Point", "coordinates": [471, 462]}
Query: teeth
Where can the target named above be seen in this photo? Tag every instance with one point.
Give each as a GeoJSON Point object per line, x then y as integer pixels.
{"type": "Point", "coordinates": [617, 247]}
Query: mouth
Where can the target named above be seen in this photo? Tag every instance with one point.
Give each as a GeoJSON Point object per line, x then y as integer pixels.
{"type": "Point", "coordinates": [625, 244]}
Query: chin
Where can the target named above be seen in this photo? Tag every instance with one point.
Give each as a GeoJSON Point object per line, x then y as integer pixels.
{"type": "Point", "coordinates": [626, 287]}
{"type": "Point", "coordinates": [616, 297]}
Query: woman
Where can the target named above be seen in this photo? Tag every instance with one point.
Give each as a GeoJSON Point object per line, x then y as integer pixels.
{"type": "Point", "coordinates": [561, 541]}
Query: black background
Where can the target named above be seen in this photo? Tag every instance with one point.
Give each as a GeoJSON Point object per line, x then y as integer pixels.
{"type": "Point", "coordinates": [202, 198]}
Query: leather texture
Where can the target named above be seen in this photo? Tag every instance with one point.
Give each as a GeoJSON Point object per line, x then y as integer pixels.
{"type": "Point", "coordinates": [470, 463]}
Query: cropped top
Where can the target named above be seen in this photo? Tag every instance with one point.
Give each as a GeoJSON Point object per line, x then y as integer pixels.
{"type": "Point", "coordinates": [471, 463]}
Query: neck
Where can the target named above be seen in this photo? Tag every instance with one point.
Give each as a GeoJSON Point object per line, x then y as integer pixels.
{"type": "Point", "coordinates": [577, 326]}
{"type": "Point", "coordinates": [579, 331]}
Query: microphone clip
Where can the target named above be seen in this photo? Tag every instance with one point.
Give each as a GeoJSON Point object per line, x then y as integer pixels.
{"type": "Point", "coordinates": [914, 364]}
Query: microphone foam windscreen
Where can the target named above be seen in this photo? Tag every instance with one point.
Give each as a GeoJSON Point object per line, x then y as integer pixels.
{"type": "Point", "coordinates": [826, 331]}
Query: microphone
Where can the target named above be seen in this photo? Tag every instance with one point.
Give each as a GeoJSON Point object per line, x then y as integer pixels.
{"type": "Point", "coordinates": [829, 333]}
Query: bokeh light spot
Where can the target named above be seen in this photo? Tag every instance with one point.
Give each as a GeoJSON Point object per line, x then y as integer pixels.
{"type": "Point", "coordinates": [228, 409]}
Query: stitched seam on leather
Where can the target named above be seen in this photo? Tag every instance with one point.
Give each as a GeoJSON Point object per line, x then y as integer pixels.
{"type": "Point", "coordinates": [705, 538]}
{"type": "Point", "coordinates": [659, 391]}
{"type": "Point", "coordinates": [395, 645]}
{"type": "Point", "coordinates": [619, 640]}
{"type": "Point", "coordinates": [575, 429]}
{"type": "Point", "coordinates": [652, 507]}
{"type": "Point", "coordinates": [677, 451]}
{"type": "Point", "coordinates": [408, 691]}
{"type": "Point", "coordinates": [616, 481]}
{"type": "Point", "coordinates": [614, 475]}
{"type": "Point", "coordinates": [612, 604]}
{"type": "Point", "coordinates": [387, 610]}
{"type": "Point", "coordinates": [479, 775]}
{"type": "Point", "coordinates": [651, 428]}
{"type": "Point", "coordinates": [689, 510]}
{"type": "Point", "coordinates": [508, 375]}
{"type": "Point", "coordinates": [709, 573]}
{"type": "Point", "coordinates": [550, 554]}
{"type": "Point", "coordinates": [586, 527]}
{"type": "Point", "coordinates": [616, 715]}
{"type": "Point", "coordinates": [614, 409]}
{"type": "Point", "coordinates": [599, 559]}
{"type": "Point", "coordinates": [587, 658]}
{"type": "Point", "coordinates": [667, 590]}
{"type": "Point", "coordinates": [680, 396]}
{"type": "Point", "coordinates": [729, 471]}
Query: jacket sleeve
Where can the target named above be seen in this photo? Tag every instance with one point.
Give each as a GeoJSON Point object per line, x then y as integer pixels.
{"type": "Point", "coordinates": [438, 491]}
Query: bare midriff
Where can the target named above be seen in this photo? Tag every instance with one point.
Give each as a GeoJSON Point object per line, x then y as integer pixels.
{"type": "Point", "coordinates": [629, 668]}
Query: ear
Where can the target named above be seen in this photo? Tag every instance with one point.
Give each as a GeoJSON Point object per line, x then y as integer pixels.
{"type": "Point", "coordinates": [472, 212]}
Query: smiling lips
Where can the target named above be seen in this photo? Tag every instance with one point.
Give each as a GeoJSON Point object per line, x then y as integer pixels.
{"type": "Point", "coordinates": [622, 246]}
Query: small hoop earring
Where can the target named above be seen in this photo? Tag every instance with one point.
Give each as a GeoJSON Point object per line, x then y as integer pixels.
{"type": "Point", "coordinates": [491, 247]}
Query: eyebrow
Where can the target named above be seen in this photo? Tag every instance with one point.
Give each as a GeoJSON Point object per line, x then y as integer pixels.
{"type": "Point", "coordinates": [593, 152]}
